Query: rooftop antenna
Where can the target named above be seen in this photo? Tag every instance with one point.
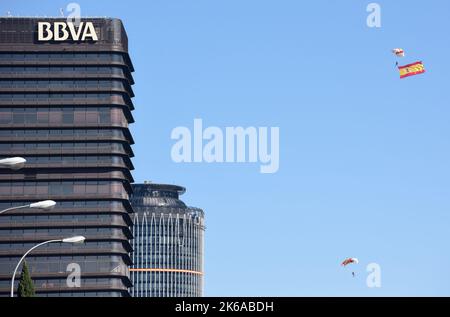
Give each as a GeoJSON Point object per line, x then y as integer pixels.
{"type": "Point", "coordinates": [9, 14]}
{"type": "Point", "coordinates": [61, 11]}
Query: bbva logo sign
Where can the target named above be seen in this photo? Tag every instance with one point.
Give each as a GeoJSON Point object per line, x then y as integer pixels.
{"type": "Point", "coordinates": [63, 31]}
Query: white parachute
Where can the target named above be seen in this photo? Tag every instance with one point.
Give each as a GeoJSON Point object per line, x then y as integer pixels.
{"type": "Point", "coordinates": [399, 52]}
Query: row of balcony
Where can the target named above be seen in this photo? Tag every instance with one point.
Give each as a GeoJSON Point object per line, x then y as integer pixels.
{"type": "Point", "coordinates": [60, 99]}
{"type": "Point", "coordinates": [117, 134]}
{"type": "Point", "coordinates": [74, 150]}
{"type": "Point", "coordinates": [42, 175]}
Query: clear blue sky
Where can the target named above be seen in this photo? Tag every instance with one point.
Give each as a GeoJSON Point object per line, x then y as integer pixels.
{"type": "Point", "coordinates": [364, 158]}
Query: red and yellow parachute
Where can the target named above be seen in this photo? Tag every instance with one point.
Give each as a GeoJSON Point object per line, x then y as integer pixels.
{"type": "Point", "coordinates": [348, 261]}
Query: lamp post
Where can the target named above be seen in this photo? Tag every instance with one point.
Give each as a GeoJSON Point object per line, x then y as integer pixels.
{"type": "Point", "coordinates": [76, 239]}
{"type": "Point", "coordinates": [13, 163]}
{"type": "Point", "coordinates": [45, 204]}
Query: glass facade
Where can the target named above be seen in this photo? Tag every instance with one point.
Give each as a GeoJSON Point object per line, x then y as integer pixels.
{"type": "Point", "coordinates": [65, 107]}
{"type": "Point", "coordinates": [168, 243]}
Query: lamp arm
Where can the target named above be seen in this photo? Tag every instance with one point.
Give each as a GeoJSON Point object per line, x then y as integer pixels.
{"type": "Point", "coordinates": [23, 257]}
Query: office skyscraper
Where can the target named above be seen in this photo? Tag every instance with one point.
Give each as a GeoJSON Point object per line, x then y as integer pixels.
{"type": "Point", "coordinates": [65, 106]}
{"type": "Point", "coordinates": [168, 244]}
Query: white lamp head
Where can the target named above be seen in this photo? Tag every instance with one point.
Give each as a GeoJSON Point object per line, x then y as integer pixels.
{"type": "Point", "coordinates": [45, 204]}
{"type": "Point", "coordinates": [76, 239]}
{"type": "Point", "coordinates": [13, 163]}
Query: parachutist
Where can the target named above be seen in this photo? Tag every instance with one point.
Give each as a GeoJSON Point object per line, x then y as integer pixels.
{"type": "Point", "coordinates": [348, 261]}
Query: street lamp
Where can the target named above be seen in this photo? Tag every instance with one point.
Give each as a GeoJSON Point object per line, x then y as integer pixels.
{"type": "Point", "coordinates": [13, 163]}
{"type": "Point", "coordinates": [45, 205]}
{"type": "Point", "coordinates": [76, 239]}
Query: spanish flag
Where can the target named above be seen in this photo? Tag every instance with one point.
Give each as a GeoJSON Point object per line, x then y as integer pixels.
{"type": "Point", "coordinates": [411, 69]}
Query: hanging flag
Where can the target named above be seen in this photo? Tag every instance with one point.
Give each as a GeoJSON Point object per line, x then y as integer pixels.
{"type": "Point", "coordinates": [411, 69]}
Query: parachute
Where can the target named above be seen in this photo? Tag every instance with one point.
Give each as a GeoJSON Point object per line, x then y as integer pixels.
{"type": "Point", "coordinates": [398, 52]}
{"type": "Point", "coordinates": [349, 261]}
